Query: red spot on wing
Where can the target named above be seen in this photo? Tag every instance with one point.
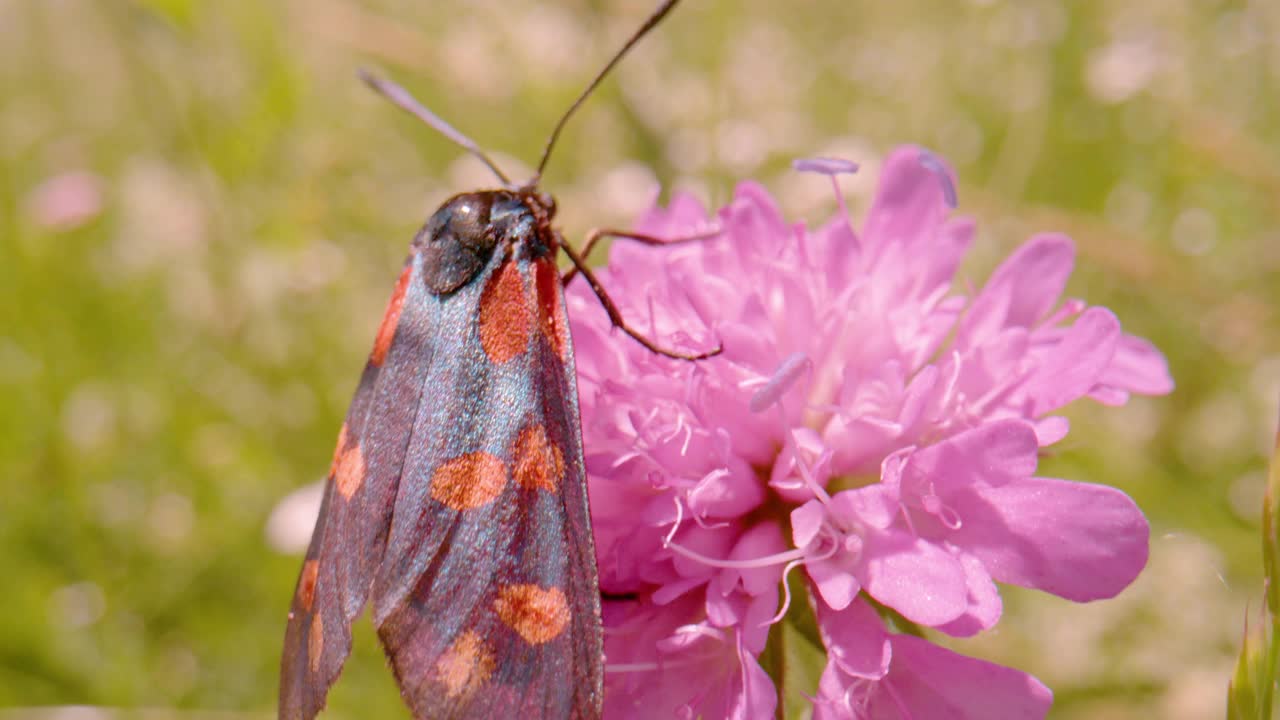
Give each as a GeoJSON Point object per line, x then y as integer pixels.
{"type": "Point", "coordinates": [390, 319]}
{"type": "Point", "coordinates": [538, 615]}
{"type": "Point", "coordinates": [504, 315]}
{"type": "Point", "coordinates": [466, 665]}
{"type": "Point", "coordinates": [307, 585]}
{"type": "Point", "coordinates": [469, 481]}
{"type": "Point", "coordinates": [351, 472]}
{"type": "Point", "coordinates": [551, 306]}
{"type": "Point", "coordinates": [337, 451]}
{"type": "Point", "coordinates": [539, 463]}
{"type": "Point", "coordinates": [347, 468]}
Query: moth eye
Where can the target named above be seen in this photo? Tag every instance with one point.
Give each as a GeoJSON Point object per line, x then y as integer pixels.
{"type": "Point", "coordinates": [468, 224]}
{"type": "Point", "coordinates": [465, 218]}
{"type": "Point", "coordinates": [456, 242]}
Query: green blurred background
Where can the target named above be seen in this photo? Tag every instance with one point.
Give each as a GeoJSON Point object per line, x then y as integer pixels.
{"type": "Point", "coordinates": [202, 213]}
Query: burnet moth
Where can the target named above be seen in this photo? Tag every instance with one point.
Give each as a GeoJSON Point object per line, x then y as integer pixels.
{"type": "Point", "coordinates": [457, 497]}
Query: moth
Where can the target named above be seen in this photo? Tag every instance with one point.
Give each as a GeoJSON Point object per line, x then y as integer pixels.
{"type": "Point", "coordinates": [456, 502]}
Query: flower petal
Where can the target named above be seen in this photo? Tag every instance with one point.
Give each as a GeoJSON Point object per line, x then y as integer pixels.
{"type": "Point", "coordinates": [985, 605]}
{"type": "Point", "coordinates": [933, 682]}
{"type": "Point", "coordinates": [1023, 289]}
{"type": "Point", "coordinates": [993, 454]}
{"type": "Point", "coordinates": [916, 578]}
{"type": "Point", "coordinates": [1077, 362]}
{"type": "Point", "coordinates": [1076, 540]}
{"type": "Point", "coordinates": [855, 638]}
{"type": "Point", "coordinates": [1138, 367]}
{"type": "Point", "coordinates": [910, 203]}
{"type": "Point", "coordinates": [836, 583]}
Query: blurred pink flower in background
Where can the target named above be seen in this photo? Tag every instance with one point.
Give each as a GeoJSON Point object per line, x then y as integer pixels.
{"type": "Point", "coordinates": [66, 201]}
{"type": "Point", "coordinates": [867, 424]}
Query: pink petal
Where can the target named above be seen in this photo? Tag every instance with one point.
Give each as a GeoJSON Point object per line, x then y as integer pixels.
{"type": "Point", "coordinates": [932, 682]}
{"type": "Point", "coordinates": [753, 219]}
{"type": "Point", "coordinates": [984, 600]}
{"type": "Point", "coordinates": [1076, 540]}
{"type": "Point", "coordinates": [713, 542]}
{"type": "Point", "coordinates": [726, 610]}
{"type": "Point", "coordinates": [947, 253]}
{"type": "Point", "coordinates": [835, 582]}
{"type": "Point", "coordinates": [800, 464]}
{"type": "Point", "coordinates": [761, 540]}
{"type": "Point", "coordinates": [758, 697]}
{"type": "Point", "coordinates": [855, 638]}
{"type": "Point", "coordinates": [726, 494]}
{"type": "Point", "coordinates": [875, 505]}
{"type": "Point", "coordinates": [1138, 367]}
{"type": "Point", "coordinates": [1051, 429]}
{"type": "Point", "coordinates": [806, 522]}
{"type": "Point", "coordinates": [696, 670]}
{"type": "Point", "coordinates": [684, 213]}
{"type": "Point", "coordinates": [1077, 362]}
{"type": "Point", "coordinates": [993, 453]}
{"type": "Point", "coordinates": [916, 578]}
{"type": "Point", "coordinates": [910, 202]}
{"type": "Point", "coordinates": [1023, 289]}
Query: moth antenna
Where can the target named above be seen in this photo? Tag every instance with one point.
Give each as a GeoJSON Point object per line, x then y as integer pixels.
{"type": "Point", "coordinates": [401, 98]}
{"type": "Point", "coordinates": [648, 25]}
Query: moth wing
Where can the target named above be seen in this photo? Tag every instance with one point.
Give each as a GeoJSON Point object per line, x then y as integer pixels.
{"type": "Point", "coordinates": [351, 531]}
{"type": "Point", "coordinates": [487, 601]}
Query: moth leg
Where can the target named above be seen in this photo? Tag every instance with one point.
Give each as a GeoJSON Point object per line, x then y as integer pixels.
{"type": "Point", "coordinates": [598, 234]}
{"type": "Point", "coordinates": [615, 316]}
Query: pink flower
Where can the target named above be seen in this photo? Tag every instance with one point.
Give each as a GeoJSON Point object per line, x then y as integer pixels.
{"type": "Point", "coordinates": [67, 201]}
{"type": "Point", "coordinates": [707, 671]}
{"type": "Point", "coordinates": [876, 675]}
{"type": "Point", "coordinates": [867, 422]}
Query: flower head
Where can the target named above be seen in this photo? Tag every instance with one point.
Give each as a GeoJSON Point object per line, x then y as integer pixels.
{"type": "Point", "coordinates": [868, 423]}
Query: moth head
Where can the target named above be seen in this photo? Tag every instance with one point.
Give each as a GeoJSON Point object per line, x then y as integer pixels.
{"type": "Point", "coordinates": [548, 203]}
{"type": "Point", "coordinates": [457, 241]}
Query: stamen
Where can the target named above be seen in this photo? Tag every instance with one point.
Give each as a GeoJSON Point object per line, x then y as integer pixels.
{"type": "Point", "coordinates": [830, 546]}
{"type": "Point", "coordinates": [666, 541]}
{"type": "Point", "coordinates": [949, 518]}
{"type": "Point", "coordinates": [1070, 308]}
{"type": "Point", "coordinates": [930, 162]}
{"type": "Point", "coordinates": [786, 595]}
{"type": "Point", "coordinates": [776, 559]}
{"type": "Point", "coordinates": [832, 167]}
{"type": "Point", "coordinates": [932, 504]}
{"type": "Point", "coordinates": [818, 491]}
{"type": "Point", "coordinates": [951, 385]}
{"type": "Point", "coordinates": [825, 165]}
{"type": "Point", "coordinates": [783, 378]}
{"type": "Point", "coordinates": [620, 668]}
{"type": "Point", "coordinates": [698, 629]}
{"type": "Point", "coordinates": [625, 458]}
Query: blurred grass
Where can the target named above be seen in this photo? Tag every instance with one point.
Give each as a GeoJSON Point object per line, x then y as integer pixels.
{"type": "Point", "coordinates": [182, 322]}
